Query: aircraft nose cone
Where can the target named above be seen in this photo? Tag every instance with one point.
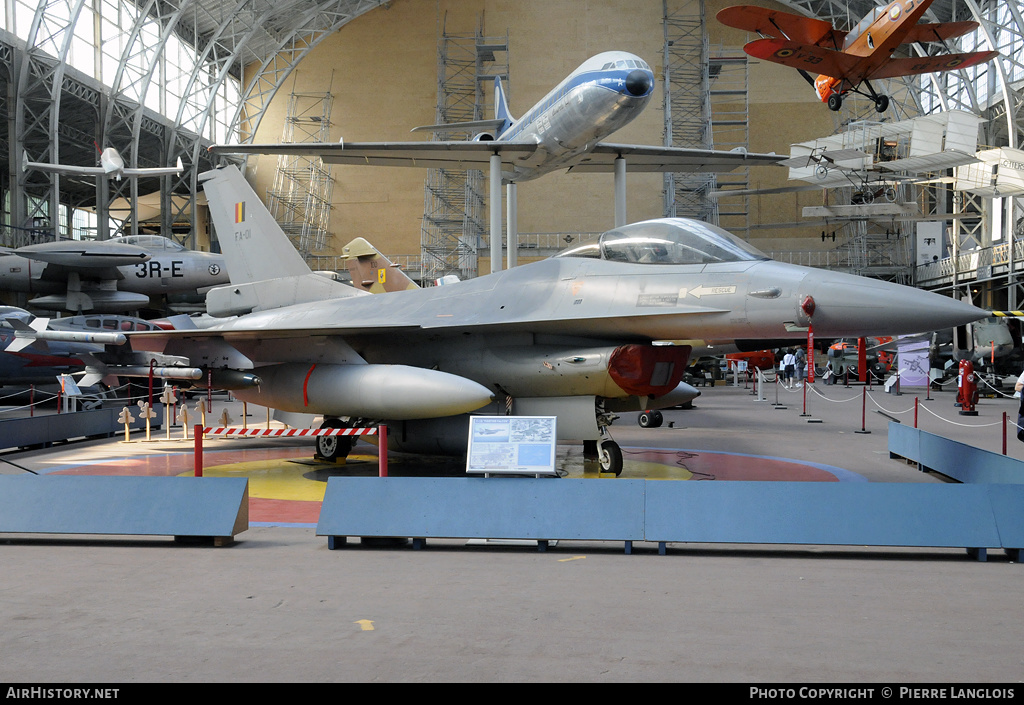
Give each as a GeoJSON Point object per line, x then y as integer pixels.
{"type": "Point", "coordinates": [638, 83]}
{"type": "Point", "coordinates": [847, 306]}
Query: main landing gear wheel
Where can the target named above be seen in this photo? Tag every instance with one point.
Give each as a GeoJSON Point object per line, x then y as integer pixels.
{"type": "Point", "coordinates": [650, 419]}
{"type": "Point", "coordinates": [609, 456]}
{"type": "Point", "coordinates": [881, 103]}
{"type": "Point", "coordinates": [835, 102]}
{"type": "Point", "coordinates": [333, 448]}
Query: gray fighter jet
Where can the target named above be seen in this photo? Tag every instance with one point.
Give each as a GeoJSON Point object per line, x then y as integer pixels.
{"type": "Point", "coordinates": [109, 276]}
{"type": "Point", "coordinates": [578, 336]}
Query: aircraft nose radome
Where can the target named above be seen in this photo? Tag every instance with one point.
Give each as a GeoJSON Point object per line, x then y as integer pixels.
{"type": "Point", "coordinates": [638, 82]}
{"type": "Point", "coordinates": [847, 306]}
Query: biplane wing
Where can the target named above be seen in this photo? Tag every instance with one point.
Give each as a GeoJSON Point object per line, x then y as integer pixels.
{"type": "Point", "coordinates": [938, 32]}
{"type": "Point", "coordinates": [808, 57]}
{"type": "Point", "coordinates": [927, 64]}
{"type": "Point", "coordinates": [784, 25]}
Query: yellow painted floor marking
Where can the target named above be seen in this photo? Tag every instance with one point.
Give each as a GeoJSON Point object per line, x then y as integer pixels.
{"type": "Point", "coordinates": [645, 469]}
{"type": "Point", "coordinates": [276, 479]}
{"type": "Point", "coordinates": [574, 558]}
{"type": "Point", "coordinates": [365, 624]}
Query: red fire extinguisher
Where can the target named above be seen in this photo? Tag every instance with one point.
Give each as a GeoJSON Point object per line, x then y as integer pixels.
{"type": "Point", "coordinates": [967, 389]}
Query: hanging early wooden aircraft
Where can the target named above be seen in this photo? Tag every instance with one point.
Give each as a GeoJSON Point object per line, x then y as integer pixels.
{"type": "Point", "coordinates": [845, 61]}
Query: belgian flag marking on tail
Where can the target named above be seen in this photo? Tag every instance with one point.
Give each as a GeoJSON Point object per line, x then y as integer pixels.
{"type": "Point", "coordinates": [240, 212]}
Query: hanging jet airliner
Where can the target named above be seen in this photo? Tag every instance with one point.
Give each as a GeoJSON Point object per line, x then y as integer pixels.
{"type": "Point", "coordinates": [111, 166]}
{"type": "Point", "coordinates": [847, 60]}
{"type": "Point", "coordinates": [573, 336]}
{"type": "Point", "coordinates": [565, 130]}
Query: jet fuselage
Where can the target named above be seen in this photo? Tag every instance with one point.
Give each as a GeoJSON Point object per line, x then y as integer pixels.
{"type": "Point", "coordinates": [108, 273]}
{"type": "Point", "coordinates": [603, 95]}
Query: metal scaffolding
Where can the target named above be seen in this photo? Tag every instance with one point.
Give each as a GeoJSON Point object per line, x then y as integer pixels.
{"type": "Point", "coordinates": [454, 210]}
{"type": "Point", "coordinates": [687, 107]}
{"type": "Point", "coordinates": [730, 124]}
{"type": "Point", "coordinates": [300, 199]}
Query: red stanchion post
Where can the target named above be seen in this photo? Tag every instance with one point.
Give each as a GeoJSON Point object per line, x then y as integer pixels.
{"type": "Point", "coordinates": [915, 411]}
{"type": "Point", "coordinates": [863, 411]}
{"type": "Point", "coordinates": [382, 450]}
{"type": "Point", "coordinates": [198, 432]}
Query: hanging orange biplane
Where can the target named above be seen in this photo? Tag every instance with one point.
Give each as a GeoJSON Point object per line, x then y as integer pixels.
{"type": "Point", "coordinates": [847, 60]}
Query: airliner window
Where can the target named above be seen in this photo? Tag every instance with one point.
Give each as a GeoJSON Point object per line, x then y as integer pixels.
{"type": "Point", "coordinates": [675, 241]}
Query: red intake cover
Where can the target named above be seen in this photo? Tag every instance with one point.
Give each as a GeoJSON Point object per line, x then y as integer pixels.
{"type": "Point", "coordinates": [631, 367]}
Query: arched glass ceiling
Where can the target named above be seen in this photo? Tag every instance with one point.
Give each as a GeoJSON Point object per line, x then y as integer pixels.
{"type": "Point", "coordinates": [991, 89]}
{"type": "Point", "coordinates": [158, 79]}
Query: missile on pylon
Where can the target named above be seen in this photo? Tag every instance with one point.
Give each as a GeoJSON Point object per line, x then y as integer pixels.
{"type": "Point", "coordinates": [159, 372]}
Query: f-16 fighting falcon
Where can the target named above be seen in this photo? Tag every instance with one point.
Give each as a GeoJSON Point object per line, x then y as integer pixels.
{"type": "Point", "coordinates": [604, 328]}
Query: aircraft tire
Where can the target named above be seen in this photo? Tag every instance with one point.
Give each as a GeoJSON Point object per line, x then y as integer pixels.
{"type": "Point", "coordinates": [333, 448]}
{"type": "Point", "coordinates": [882, 104]}
{"type": "Point", "coordinates": [835, 102]}
{"type": "Point", "coordinates": [650, 419]}
{"type": "Point", "coordinates": [609, 455]}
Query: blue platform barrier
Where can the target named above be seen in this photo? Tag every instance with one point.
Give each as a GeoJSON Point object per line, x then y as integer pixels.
{"type": "Point", "coordinates": [953, 459]}
{"type": "Point", "coordinates": [47, 429]}
{"type": "Point", "coordinates": [202, 507]}
{"type": "Point", "coordinates": [973, 517]}
{"type": "Point", "coordinates": [486, 508]}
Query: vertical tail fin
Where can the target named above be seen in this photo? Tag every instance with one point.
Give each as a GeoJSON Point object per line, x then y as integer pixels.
{"type": "Point", "coordinates": [501, 107]}
{"type": "Point", "coordinates": [253, 244]}
{"type": "Point", "coordinates": [373, 272]}
{"type": "Point", "coordinates": [266, 271]}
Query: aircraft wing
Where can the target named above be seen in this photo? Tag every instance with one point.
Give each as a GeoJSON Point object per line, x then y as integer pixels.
{"type": "Point", "coordinates": [830, 158]}
{"type": "Point", "coordinates": [805, 56]}
{"type": "Point", "coordinates": [928, 64]}
{"type": "Point", "coordinates": [938, 32]}
{"type": "Point", "coordinates": [785, 25]}
{"type": "Point", "coordinates": [155, 171]}
{"type": "Point", "coordinates": [64, 169]}
{"type": "Point", "coordinates": [444, 154]}
{"type": "Point", "coordinates": [469, 126]}
{"type": "Point", "coordinates": [661, 159]}
{"type": "Point", "coordinates": [461, 154]}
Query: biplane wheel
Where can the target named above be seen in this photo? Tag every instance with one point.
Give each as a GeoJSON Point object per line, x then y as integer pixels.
{"type": "Point", "coordinates": [890, 194]}
{"type": "Point", "coordinates": [835, 102]}
{"type": "Point", "coordinates": [609, 455]}
{"type": "Point", "coordinates": [881, 103]}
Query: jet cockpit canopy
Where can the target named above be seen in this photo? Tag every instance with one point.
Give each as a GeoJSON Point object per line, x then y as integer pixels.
{"type": "Point", "coordinates": [151, 243]}
{"type": "Point", "coordinates": [668, 241]}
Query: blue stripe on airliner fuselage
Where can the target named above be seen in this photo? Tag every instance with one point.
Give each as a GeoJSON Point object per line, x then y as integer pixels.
{"type": "Point", "coordinates": [611, 80]}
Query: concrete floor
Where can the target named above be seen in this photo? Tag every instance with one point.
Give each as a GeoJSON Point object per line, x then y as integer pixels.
{"type": "Point", "coordinates": [278, 606]}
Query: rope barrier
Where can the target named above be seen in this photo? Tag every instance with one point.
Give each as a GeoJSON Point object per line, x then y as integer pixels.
{"type": "Point", "coordinates": [965, 425]}
{"type": "Point", "coordinates": [814, 389]}
{"type": "Point", "coordinates": [894, 413]}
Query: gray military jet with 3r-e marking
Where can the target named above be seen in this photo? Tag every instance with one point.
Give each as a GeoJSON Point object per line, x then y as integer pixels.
{"type": "Point", "coordinates": [107, 276]}
{"type": "Point", "coordinates": [577, 336]}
